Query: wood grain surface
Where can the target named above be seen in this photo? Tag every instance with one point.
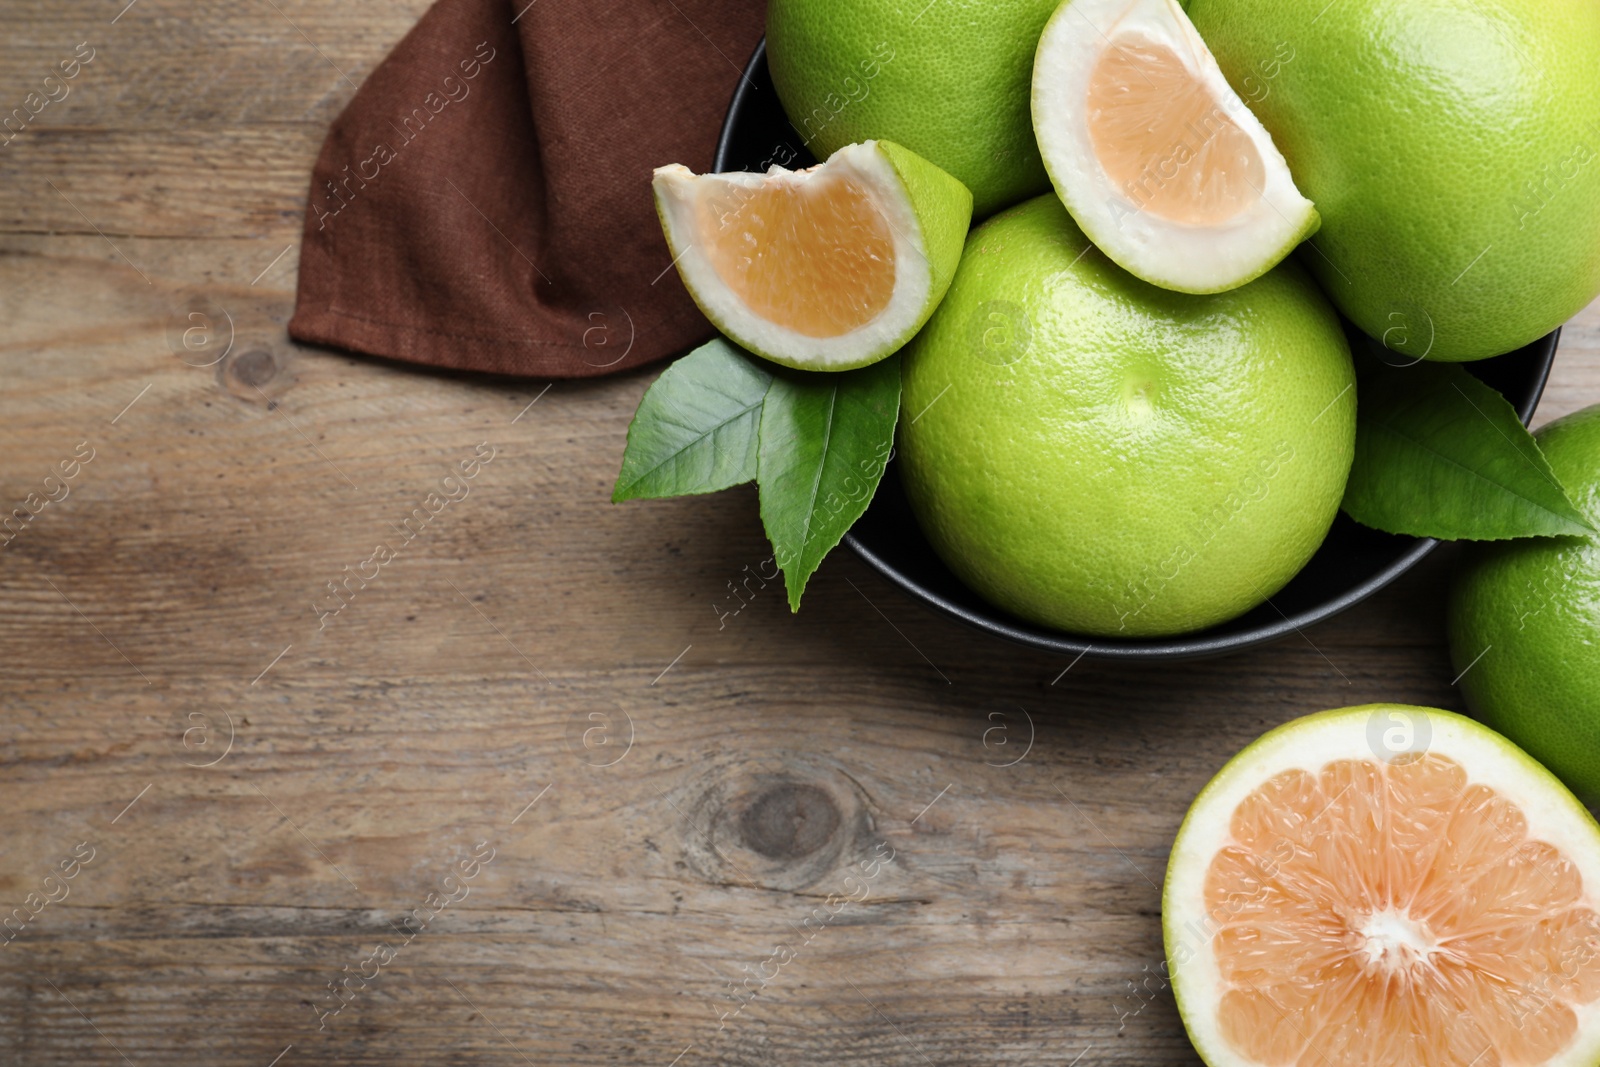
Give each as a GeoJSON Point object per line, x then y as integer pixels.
{"type": "Point", "coordinates": [859, 835]}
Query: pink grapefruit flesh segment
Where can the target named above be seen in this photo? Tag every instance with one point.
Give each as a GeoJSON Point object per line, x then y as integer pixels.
{"type": "Point", "coordinates": [1165, 141]}
{"type": "Point", "coordinates": [1397, 914]}
{"type": "Point", "coordinates": [816, 257]}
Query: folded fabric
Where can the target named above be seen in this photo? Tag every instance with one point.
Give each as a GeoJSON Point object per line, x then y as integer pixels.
{"type": "Point", "coordinates": [483, 202]}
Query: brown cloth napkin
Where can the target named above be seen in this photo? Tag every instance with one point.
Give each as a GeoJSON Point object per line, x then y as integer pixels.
{"type": "Point", "coordinates": [484, 200]}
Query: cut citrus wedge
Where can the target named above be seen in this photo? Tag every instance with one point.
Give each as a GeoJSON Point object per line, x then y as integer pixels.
{"type": "Point", "coordinates": [1386, 885]}
{"type": "Point", "coordinates": [829, 268]}
{"type": "Point", "coordinates": [1157, 158]}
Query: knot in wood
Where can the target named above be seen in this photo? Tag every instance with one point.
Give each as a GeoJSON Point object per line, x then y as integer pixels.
{"type": "Point", "coordinates": [253, 369]}
{"type": "Point", "coordinates": [789, 821]}
{"type": "Point", "coordinates": [785, 821]}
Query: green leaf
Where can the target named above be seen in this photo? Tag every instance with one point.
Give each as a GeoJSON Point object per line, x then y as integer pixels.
{"type": "Point", "coordinates": [1440, 454]}
{"type": "Point", "coordinates": [825, 438]}
{"type": "Point", "coordinates": [697, 426]}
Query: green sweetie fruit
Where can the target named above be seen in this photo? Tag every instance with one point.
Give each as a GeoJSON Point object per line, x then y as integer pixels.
{"type": "Point", "coordinates": [1452, 148]}
{"type": "Point", "coordinates": [1103, 456]}
{"type": "Point", "coordinates": [1524, 621]}
{"type": "Point", "coordinates": [949, 79]}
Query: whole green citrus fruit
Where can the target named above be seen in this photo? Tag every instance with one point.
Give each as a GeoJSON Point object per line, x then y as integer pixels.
{"type": "Point", "coordinates": [949, 79]}
{"type": "Point", "coordinates": [1525, 623]}
{"type": "Point", "coordinates": [1102, 456]}
{"type": "Point", "coordinates": [1452, 148]}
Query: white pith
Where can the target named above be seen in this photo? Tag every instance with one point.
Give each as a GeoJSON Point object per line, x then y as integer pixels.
{"type": "Point", "coordinates": [1190, 258]}
{"type": "Point", "coordinates": [677, 192]}
{"type": "Point", "coordinates": [1395, 941]}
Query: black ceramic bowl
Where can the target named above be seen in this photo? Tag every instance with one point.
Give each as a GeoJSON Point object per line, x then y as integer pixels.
{"type": "Point", "coordinates": [1352, 564]}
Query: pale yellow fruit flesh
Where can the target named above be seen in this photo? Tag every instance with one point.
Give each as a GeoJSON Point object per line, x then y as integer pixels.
{"type": "Point", "coordinates": [1165, 141]}
{"type": "Point", "coordinates": [816, 257]}
{"type": "Point", "coordinates": [1396, 913]}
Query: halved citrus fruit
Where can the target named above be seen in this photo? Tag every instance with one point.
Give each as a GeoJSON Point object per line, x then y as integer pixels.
{"type": "Point", "coordinates": [1158, 159]}
{"type": "Point", "coordinates": [829, 268]}
{"type": "Point", "coordinates": [1338, 896]}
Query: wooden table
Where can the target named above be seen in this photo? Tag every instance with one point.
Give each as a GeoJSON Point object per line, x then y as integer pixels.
{"type": "Point", "coordinates": [662, 813]}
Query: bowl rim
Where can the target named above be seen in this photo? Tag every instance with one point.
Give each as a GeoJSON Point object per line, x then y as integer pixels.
{"type": "Point", "coordinates": [1200, 644]}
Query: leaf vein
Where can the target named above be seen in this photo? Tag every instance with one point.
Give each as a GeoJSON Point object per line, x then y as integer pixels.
{"type": "Point", "coordinates": [822, 463]}
{"type": "Point", "coordinates": [712, 432]}
{"type": "Point", "coordinates": [1512, 490]}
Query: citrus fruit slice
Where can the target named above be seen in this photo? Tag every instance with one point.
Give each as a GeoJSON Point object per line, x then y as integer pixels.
{"type": "Point", "coordinates": [1105, 457]}
{"type": "Point", "coordinates": [829, 268]}
{"type": "Point", "coordinates": [1386, 885]}
{"type": "Point", "coordinates": [1160, 162]}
